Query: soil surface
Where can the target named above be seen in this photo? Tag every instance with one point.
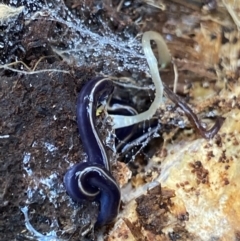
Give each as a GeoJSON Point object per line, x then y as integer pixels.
{"type": "Point", "coordinates": [48, 50]}
{"type": "Point", "coordinates": [39, 136]}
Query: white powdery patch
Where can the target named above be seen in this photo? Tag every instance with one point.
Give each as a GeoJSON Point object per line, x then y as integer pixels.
{"type": "Point", "coordinates": [42, 187]}
{"type": "Point", "coordinates": [50, 147]}
{"type": "Point", "coordinates": [26, 163]}
{"type": "Point", "coordinates": [45, 187]}
{"type": "Point", "coordinates": [53, 188]}
{"type": "Point", "coordinates": [38, 190]}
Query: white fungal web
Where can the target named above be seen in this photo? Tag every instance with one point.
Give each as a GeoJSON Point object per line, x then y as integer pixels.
{"type": "Point", "coordinates": [51, 236]}
{"type": "Point", "coordinates": [41, 188]}
{"type": "Point", "coordinates": [89, 47]}
{"type": "Point", "coordinates": [85, 47]}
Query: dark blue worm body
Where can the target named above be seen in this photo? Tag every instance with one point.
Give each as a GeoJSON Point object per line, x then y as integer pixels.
{"type": "Point", "coordinates": [93, 182]}
{"type": "Point", "coordinates": [92, 179]}
{"type": "Point", "coordinates": [86, 118]}
{"type": "Point", "coordinates": [131, 136]}
{"type": "Point", "coordinates": [121, 107]}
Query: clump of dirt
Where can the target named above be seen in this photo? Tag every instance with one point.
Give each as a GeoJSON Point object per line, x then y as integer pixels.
{"type": "Point", "coordinates": [47, 52]}
{"type": "Point", "coordinates": [39, 137]}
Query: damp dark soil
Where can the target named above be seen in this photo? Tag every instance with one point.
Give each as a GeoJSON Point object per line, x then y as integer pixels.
{"type": "Point", "coordinates": [38, 89]}
{"type": "Point", "coordinates": [39, 136]}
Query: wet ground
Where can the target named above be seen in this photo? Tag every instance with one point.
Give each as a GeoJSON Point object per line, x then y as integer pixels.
{"type": "Point", "coordinates": [39, 137]}
{"type": "Point", "coordinates": [48, 51]}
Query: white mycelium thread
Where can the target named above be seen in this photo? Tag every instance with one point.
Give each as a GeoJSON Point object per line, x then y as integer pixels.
{"type": "Point", "coordinates": [7, 12]}
{"type": "Point", "coordinates": [51, 236]}
{"type": "Point", "coordinates": [164, 57]}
